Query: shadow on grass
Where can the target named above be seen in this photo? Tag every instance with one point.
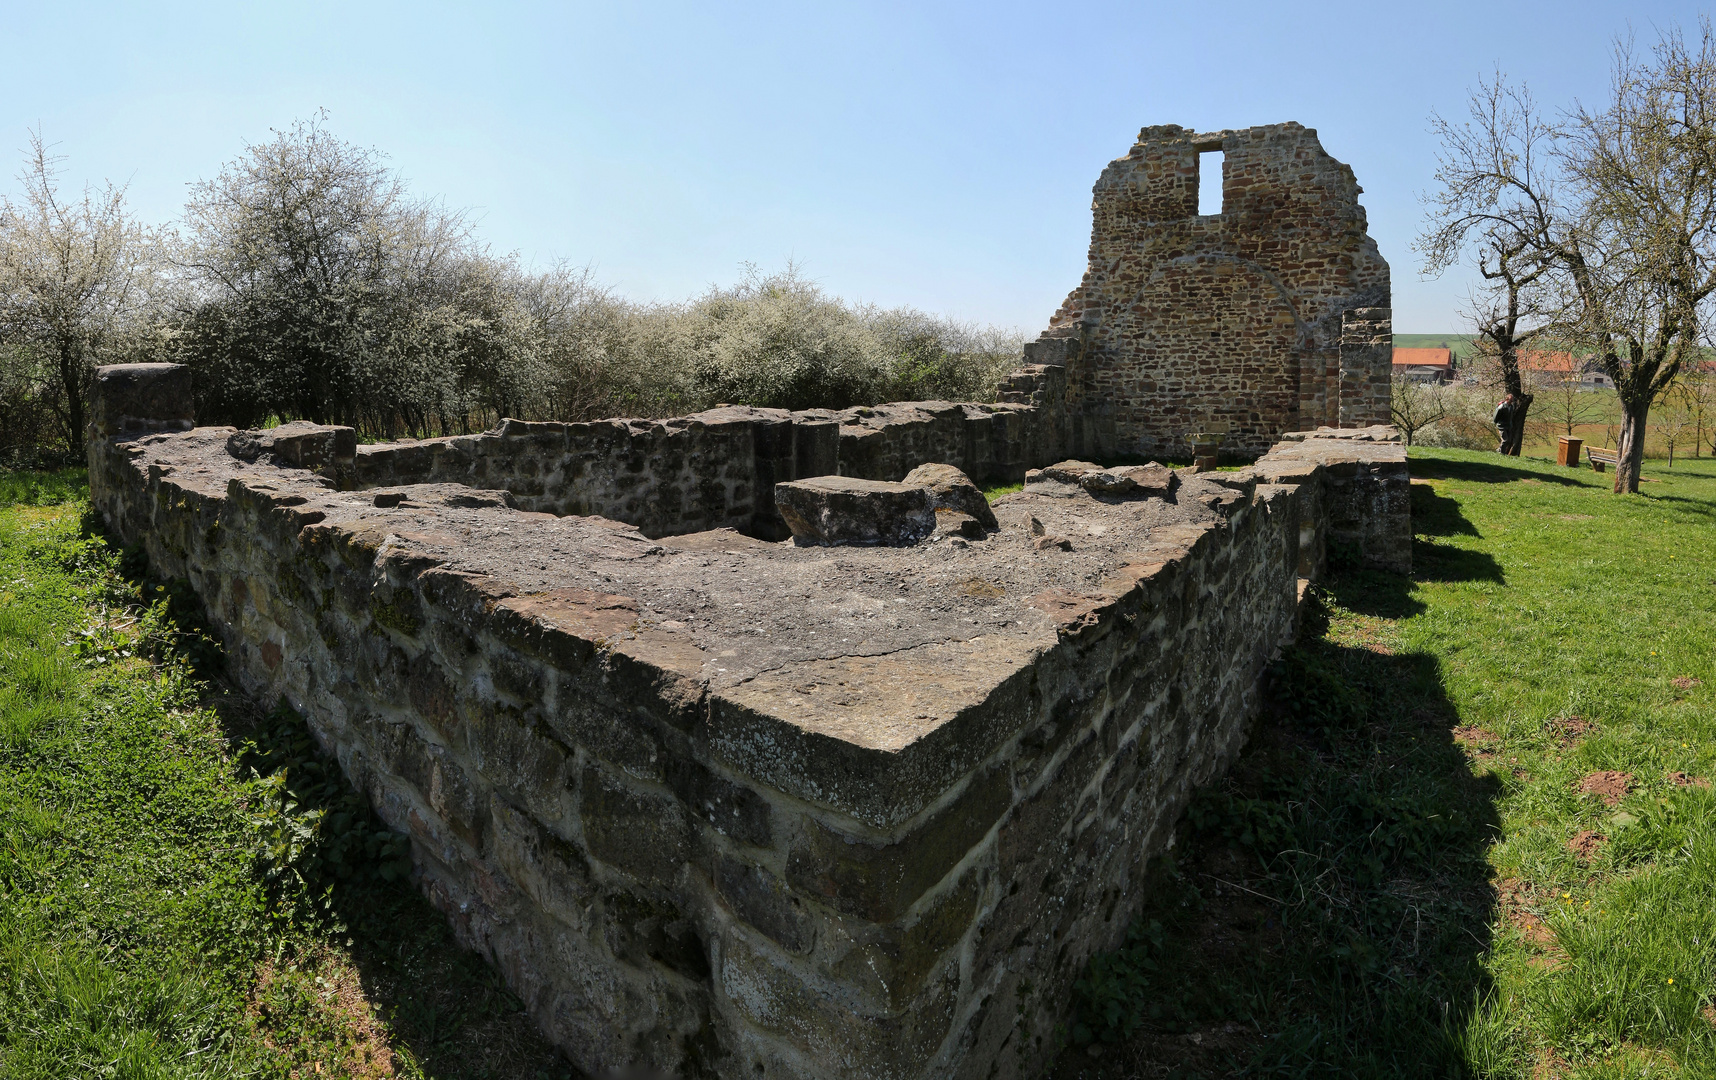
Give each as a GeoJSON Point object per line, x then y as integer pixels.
{"type": "Point", "coordinates": [1691, 506]}
{"type": "Point", "coordinates": [349, 882]}
{"type": "Point", "coordinates": [1438, 515]}
{"type": "Point", "coordinates": [1443, 562]}
{"type": "Point", "coordinates": [358, 962]}
{"type": "Point", "coordinates": [1327, 906]}
{"type": "Point", "coordinates": [1486, 472]}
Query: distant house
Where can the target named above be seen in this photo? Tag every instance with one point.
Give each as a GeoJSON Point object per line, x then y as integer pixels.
{"type": "Point", "coordinates": [1560, 367]}
{"type": "Point", "coordinates": [1592, 376]}
{"type": "Point", "coordinates": [1424, 365]}
{"type": "Point", "coordinates": [1548, 367]}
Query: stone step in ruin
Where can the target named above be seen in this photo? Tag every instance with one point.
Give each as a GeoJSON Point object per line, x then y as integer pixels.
{"type": "Point", "coordinates": [721, 800]}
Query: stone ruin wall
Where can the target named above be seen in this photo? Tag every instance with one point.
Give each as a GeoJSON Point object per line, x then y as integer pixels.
{"type": "Point", "coordinates": [717, 469]}
{"type": "Point", "coordinates": [688, 839]}
{"type": "Point", "coordinates": [1271, 316]}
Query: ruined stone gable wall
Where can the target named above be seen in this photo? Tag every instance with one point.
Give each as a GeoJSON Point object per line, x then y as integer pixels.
{"type": "Point", "coordinates": [1229, 322]}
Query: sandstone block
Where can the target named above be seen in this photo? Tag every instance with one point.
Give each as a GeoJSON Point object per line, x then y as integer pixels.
{"type": "Point", "coordinates": [139, 398]}
{"type": "Point", "coordinates": [780, 1001]}
{"type": "Point", "coordinates": [551, 871]}
{"type": "Point", "coordinates": [881, 881]}
{"type": "Point", "coordinates": [953, 490]}
{"type": "Point", "coordinates": [894, 962]}
{"type": "Point", "coordinates": [951, 523]}
{"type": "Point", "coordinates": [836, 510]}
{"type": "Point", "coordinates": [1068, 478]}
{"type": "Point", "coordinates": [639, 832]}
{"type": "Point", "coordinates": [763, 900]}
{"type": "Point", "coordinates": [298, 445]}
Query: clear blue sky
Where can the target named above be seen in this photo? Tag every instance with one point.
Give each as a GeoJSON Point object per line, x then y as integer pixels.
{"type": "Point", "coordinates": [939, 155]}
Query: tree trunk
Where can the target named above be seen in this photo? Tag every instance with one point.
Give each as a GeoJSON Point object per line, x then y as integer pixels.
{"type": "Point", "coordinates": [71, 376]}
{"type": "Point", "coordinates": [1630, 454]}
{"type": "Point", "coordinates": [1515, 434]}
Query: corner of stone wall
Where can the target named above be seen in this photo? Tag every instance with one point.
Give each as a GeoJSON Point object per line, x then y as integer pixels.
{"type": "Point", "coordinates": [140, 398]}
{"type": "Point", "coordinates": [1042, 384]}
{"type": "Point", "coordinates": [130, 400]}
{"type": "Point", "coordinates": [1367, 362]}
{"type": "Point", "coordinates": [1357, 494]}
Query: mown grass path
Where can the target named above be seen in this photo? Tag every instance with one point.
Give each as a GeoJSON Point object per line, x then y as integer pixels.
{"type": "Point", "coordinates": [1473, 834]}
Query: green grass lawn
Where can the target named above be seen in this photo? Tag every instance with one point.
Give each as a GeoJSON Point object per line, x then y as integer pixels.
{"type": "Point", "coordinates": [1401, 876]}
{"type": "Point", "coordinates": [185, 889]}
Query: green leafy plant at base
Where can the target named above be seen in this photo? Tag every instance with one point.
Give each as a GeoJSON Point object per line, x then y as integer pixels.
{"type": "Point", "coordinates": [315, 829]}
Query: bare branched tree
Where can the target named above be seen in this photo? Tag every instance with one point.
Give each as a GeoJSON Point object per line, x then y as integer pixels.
{"type": "Point", "coordinates": [1641, 254]}
{"type": "Point", "coordinates": [1498, 204]}
{"type": "Point", "coordinates": [1566, 404]}
{"type": "Point", "coordinates": [1607, 219]}
{"type": "Point", "coordinates": [1698, 383]}
{"type": "Point", "coordinates": [1675, 419]}
{"type": "Point", "coordinates": [73, 273]}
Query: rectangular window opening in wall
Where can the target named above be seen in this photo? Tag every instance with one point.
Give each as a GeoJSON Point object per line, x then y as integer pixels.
{"type": "Point", "coordinates": [1209, 182]}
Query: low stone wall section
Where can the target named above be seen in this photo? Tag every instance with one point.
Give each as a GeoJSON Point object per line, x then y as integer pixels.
{"type": "Point", "coordinates": [717, 469]}
{"type": "Point", "coordinates": [1362, 499]}
{"type": "Point", "coordinates": [720, 807]}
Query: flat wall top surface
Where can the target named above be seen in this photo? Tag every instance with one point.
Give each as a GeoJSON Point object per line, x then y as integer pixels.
{"type": "Point", "coordinates": [865, 678]}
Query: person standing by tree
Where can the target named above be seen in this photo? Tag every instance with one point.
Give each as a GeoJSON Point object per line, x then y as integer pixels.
{"type": "Point", "coordinates": [1503, 419]}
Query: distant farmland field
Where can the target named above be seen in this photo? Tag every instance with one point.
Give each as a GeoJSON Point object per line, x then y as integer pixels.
{"type": "Point", "coordinates": [1461, 344]}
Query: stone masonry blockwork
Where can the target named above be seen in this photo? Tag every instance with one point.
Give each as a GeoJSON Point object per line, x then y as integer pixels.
{"type": "Point", "coordinates": [1271, 316]}
{"type": "Point", "coordinates": [724, 807]}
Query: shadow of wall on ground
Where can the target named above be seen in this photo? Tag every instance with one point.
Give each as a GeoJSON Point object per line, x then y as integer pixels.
{"type": "Point", "coordinates": [1435, 515]}
{"type": "Point", "coordinates": [1486, 472]}
{"type": "Point", "coordinates": [1326, 905]}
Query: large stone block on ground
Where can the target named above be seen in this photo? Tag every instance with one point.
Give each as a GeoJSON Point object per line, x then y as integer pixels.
{"type": "Point", "coordinates": [1118, 482]}
{"type": "Point", "coordinates": [298, 445]}
{"type": "Point", "coordinates": [953, 490]}
{"type": "Point", "coordinates": [838, 510]}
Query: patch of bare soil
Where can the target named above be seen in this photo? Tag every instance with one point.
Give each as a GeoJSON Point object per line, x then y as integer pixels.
{"type": "Point", "coordinates": [1480, 743]}
{"type": "Point", "coordinates": [1574, 517]}
{"type": "Point", "coordinates": [1685, 682]}
{"type": "Point", "coordinates": [1516, 900]}
{"type": "Point", "coordinates": [325, 996]}
{"type": "Point", "coordinates": [1568, 730]}
{"type": "Point", "coordinates": [1610, 785]}
{"type": "Point", "coordinates": [1680, 779]}
{"type": "Point", "coordinates": [1550, 1065]}
{"type": "Point", "coordinates": [1585, 844]}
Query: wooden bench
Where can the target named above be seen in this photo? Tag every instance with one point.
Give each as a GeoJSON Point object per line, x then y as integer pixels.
{"type": "Point", "coordinates": [1601, 458]}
